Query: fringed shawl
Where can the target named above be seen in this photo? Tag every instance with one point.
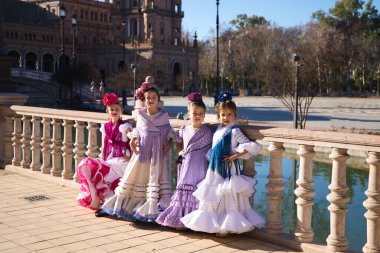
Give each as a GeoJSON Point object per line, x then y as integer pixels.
{"type": "Point", "coordinates": [114, 146]}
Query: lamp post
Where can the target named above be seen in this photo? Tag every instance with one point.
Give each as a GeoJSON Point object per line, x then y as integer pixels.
{"type": "Point", "coordinates": [62, 15]}
{"type": "Point", "coordinates": [296, 59]}
{"type": "Point", "coordinates": [134, 67]}
{"type": "Point", "coordinates": [183, 71]}
{"type": "Point", "coordinates": [217, 84]}
{"type": "Point", "coordinates": [123, 93]}
{"type": "Point", "coordinates": [74, 23]}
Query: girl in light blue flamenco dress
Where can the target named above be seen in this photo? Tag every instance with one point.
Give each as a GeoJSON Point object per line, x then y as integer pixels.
{"type": "Point", "coordinates": [224, 193]}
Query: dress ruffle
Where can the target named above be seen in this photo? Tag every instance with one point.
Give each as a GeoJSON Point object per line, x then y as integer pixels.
{"type": "Point", "coordinates": [182, 203]}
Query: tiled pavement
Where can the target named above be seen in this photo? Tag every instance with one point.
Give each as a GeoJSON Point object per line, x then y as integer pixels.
{"type": "Point", "coordinates": [58, 225]}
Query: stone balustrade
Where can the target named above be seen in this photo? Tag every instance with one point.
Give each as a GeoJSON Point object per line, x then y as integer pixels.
{"type": "Point", "coordinates": [28, 144]}
{"type": "Point", "coordinates": [32, 74]}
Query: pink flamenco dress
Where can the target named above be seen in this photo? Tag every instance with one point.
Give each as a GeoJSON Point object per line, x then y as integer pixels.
{"type": "Point", "coordinates": [98, 178]}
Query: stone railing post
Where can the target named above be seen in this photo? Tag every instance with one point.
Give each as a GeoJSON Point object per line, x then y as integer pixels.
{"type": "Point", "coordinates": [304, 192]}
{"type": "Point", "coordinates": [67, 149]}
{"type": "Point", "coordinates": [26, 138]}
{"type": "Point", "coordinates": [337, 241]}
{"type": "Point", "coordinates": [275, 188]}
{"type": "Point", "coordinates": [56, 148]}
{"type": "Point", "coordinates": [46, 142]}
{"type": "Point", "coordinates": [79, 149]}
{"type": "Point", "coordinates": [17, 133]}
{"type": "Point", "coordinates": [8, 138]}
{"type": "Point", "coordinates": [92, 146]}
{"type": "Point", "coordinates": [373, 204]}
{"type": "Point", "coordinates": [36, 144]}
{"type": "Point", "coordinates": [249, 170]}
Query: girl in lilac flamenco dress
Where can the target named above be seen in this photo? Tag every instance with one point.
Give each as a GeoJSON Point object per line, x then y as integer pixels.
{"type": "Point", "coordinates": [196, 139]}
{"type": "Point", "coordinates": [99, 177]}
{"type": "Point", "coordinates": [224, 193]}
{"type": "Point", "coordinates": [145, 188]}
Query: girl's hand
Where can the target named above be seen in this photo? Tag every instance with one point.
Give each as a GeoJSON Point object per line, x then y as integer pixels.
{"type": "Point", "coordinates": [133, 144]}
{"type": "Point", "coordinates": [127, 130]}
{"type": "Point", "coordinates": [126, 158]}
{"type": "Point", "coordinates": [167, 147]}
{"type": "Point", "coordinates": [180, 153]}
{"type": "Point", "coordinates": [230, 158]}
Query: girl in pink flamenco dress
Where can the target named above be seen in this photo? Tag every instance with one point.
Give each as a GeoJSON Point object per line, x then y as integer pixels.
{"type": "Point", "coordinates": [99, 177]}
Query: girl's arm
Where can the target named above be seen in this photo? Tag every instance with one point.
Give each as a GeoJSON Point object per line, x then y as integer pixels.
{"type": "Point", "coordinates": [133, 144]}
{"type": "Point", "coordinates": [245, 147]}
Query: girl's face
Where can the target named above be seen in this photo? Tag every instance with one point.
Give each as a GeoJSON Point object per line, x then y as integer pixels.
{"type": "Point", "coordinates": [151, 99]}
{"type": "Point", "coordinates": [226, 116]}
{"type": "Point", "coordinates": [114, 111]}
{"type": "Point", "coordinates": [196, 115]}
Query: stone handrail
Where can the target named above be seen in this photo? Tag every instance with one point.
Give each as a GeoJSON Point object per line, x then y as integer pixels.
{"type": "Point", "coordinates": [28, 143]}
{"type": "Point", "coordinates": [32, 74]}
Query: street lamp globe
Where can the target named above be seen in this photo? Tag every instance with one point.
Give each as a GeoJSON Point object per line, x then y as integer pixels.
{"type": "Point", "coordinates": [62, 12]}
{"type": "Point", "coordinates": [74, 20]}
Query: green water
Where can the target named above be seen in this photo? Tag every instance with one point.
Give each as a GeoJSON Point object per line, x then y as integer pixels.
{"type": "Point", "coordinates": [357, 181]}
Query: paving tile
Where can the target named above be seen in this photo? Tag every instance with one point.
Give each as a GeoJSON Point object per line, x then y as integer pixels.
{"type": "Point", "coordinates": [76, 246]}
{"type": "Point", "coordinates": [7, 245]}
{"type": "Point", "coordinates": [39, 245]}
{"type": "Point", "coordinates": [16, 250]}
{"type": "Point", "coordinates": [113, 246]}
{"type": "Point", "coordinates": [189, 247]}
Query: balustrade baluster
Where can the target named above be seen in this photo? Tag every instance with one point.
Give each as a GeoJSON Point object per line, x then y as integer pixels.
{"type": "Point", "coordinates": [79, 150]}
{"type": "Point", "coordinates": [338, 198]}
{"type": "Point", "coordinates": [8, 138]}
{"type": "Point", "coordinates": [56, 148]}
{"type": "Point", "coordinates": [26, 138]}
{"type": "Point", "coordinates": [36, 144]}
{"type": "Point", "coordinates": [67, 149]}
{"type": "Point", "coordinates": [17, 133]}
{"type": "Point", "coordinates": [249, 170]}
{"type": "Point", "coordinates": [92, 146]}
{"type": "Point", "coordinates": [373, 204]}
{"type": "Point", "coordinates": [275, 188]}
{"type": "Point", "coordinates": [46, 142]}
{"type": "Point", "coordinates": [304, 231]}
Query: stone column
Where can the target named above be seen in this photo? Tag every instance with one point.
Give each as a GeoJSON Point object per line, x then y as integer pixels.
{"type": "Point", "coordinates": [304, 231]}
{"type": "Point", "coordinates": [46, 142]}
{"type": "Point", "coordinates": [92, 146]}
{"type": "Point", "coordinates": [79, 149]}
{"type": "Point", "coordinates": [249, 170]}
{"type": "Point", "coordinates": [275, 187]}
{"type": "Point", "coordinates": [338, 199]}
{"type": "Point", "coordinates": [56, 148]}
{"type": "Point", "coordinates": [7, 139]}
{"type": "Point", "coordinates": [67, 149]}
{"type": "Point", "coordinates": [26, 138]}
{"type": "Point", "coordinates": [36, 144]}
{"type": "Point", "coordinates": [373, 204]}
{"type": "Point", "coordinates": [17, 132]}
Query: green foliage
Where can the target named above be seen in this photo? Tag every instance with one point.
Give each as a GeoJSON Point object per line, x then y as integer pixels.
{"type": "Point", "coordinates": [242, 21]}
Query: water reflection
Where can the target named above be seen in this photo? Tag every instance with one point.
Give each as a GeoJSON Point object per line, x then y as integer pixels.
{"type": "Point", "coordinates": [357, 181]}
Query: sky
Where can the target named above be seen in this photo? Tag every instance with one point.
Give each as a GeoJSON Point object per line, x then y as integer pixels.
{"type": "Point", "coordinates": [200, 15]}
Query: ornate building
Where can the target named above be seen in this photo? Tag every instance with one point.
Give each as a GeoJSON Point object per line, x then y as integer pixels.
{"type": "Point", "coordinates": [112, 35]}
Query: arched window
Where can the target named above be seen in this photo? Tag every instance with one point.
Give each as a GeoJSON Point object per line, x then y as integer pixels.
{"type": "Point", "coordinates": [176, 8]}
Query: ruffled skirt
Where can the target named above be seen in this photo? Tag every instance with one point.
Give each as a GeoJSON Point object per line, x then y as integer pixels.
{"type": "Point", "coordinates": [137, 195]}
{"type": "Point", "coordinates": [98, 179]}
{"type": "Point", "coordinates": [224, 205]}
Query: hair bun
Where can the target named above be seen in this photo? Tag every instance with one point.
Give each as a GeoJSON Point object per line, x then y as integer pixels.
{"type": "Point", "coordinates": [194, 96]}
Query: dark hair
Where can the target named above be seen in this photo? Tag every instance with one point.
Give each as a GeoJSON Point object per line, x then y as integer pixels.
{"type": "Point", "coordinates": [198, 103]}
{"type": "Point", "coordinates": [227, 105]}
{"type": "Point", "coordinates": [154, 90]}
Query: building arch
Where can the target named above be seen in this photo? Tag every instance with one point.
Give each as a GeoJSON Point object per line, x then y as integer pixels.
{"type": "Point", "coordinates": [15, 58]}
{"type": "Point", "coordinates": [176, 75]}
{"type": "Point", "coordinates": [31, 61]}
{"type": "Point", "coordinates": [48, 63]}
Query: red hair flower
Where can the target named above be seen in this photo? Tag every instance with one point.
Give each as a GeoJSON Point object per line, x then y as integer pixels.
{"type": "Point", "coordinates": [140, 92]}
{"type": "Point", "coordinates": [110, 99]}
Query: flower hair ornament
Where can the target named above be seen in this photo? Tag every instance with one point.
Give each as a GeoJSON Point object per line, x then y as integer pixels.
{"type": "Point", "coordinates": [194, 96]}
{"type": "Point", "coordinates": [225, 96]}
{"type": "Point", "coordinates": [140, 91]}
{"type": "Point", "coordinates": [110, 99]}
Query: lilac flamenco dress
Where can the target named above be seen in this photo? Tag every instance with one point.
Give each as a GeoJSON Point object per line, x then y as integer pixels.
{"type": "Point", "coordinates": [99, 177]}
{"type": "Point", "coordinates": [144, 187]}
{"type": "Point", "coordinates": [190, 172]}
{"type": "Point", "coordinates": [224, 193]}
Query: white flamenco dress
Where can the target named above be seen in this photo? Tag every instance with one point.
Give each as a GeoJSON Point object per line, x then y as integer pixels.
{"type": "Point", "coordinates": [224, 193]}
